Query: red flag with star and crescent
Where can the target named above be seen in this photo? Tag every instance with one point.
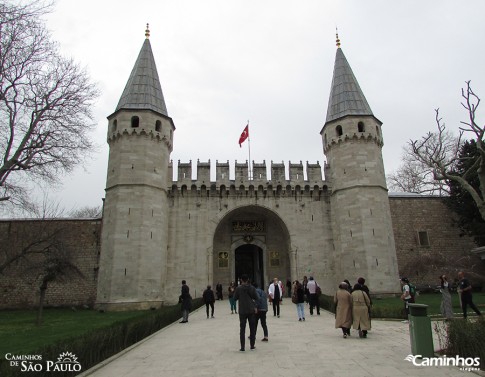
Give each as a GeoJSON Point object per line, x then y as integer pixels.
{"type": "Point", "coordinates": [244, 135]}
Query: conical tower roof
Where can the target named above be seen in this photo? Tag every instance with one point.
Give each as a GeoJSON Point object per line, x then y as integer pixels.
{"type": "Point", "coordinates": [346, 97]}
{"type": "Point", "coordinates": [143, 89]}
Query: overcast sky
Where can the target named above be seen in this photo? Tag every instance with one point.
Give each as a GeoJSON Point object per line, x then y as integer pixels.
{"type": "Point", "coordinates": [222, 63]}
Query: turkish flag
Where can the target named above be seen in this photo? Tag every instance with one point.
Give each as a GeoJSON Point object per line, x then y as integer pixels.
{"type": "Point", "coordinates": [244, 135]}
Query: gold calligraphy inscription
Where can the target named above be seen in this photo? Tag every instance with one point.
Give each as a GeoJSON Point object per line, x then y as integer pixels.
{"type": "Point", "coordinates": [248, 226]}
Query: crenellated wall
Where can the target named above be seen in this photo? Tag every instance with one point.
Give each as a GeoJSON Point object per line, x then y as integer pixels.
{"type": "Point", "coordinates": [274, 183]}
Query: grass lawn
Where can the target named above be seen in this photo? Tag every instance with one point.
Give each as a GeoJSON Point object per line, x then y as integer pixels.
{"type": "Point", "coordinates": [20, 335]}
{"type": "Point", "coordinates": [434, 302]}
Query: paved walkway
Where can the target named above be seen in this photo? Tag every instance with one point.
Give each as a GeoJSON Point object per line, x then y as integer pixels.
{"type": "Point", "coordinates": [210, 347]}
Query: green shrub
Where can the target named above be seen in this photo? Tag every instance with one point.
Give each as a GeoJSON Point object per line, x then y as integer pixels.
{"type": "Point", "coordinates": [93, 347]}
{"type": "Point", "coordinates": [463, 338]}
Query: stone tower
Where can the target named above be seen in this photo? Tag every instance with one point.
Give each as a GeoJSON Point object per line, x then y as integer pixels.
{"type": "Point", "coordinates": [134, 231]}
{"type": "Point", "coordinates": [361, 219]}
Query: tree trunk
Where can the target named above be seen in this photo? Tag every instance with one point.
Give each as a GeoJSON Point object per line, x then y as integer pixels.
{"type": "Point", "coordinates": [41, 304]}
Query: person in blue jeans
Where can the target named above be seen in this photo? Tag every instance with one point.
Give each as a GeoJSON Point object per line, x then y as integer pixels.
{"type": "Point", "coordinates": [231, 290]}
{"type": "Point", "coordinates": [299, 294]}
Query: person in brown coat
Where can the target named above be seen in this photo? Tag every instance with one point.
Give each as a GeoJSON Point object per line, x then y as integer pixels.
{"type": "Point", "coordinates": [343, 309]}
{"type": "Point", "coordinates": [360, 311]}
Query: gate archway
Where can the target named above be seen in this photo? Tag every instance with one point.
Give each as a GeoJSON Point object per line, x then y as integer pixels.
{"type": "Point", "coordinates": [253, 240]}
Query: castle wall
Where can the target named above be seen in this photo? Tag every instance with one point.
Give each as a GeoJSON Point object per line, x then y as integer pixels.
{"type": "Point", "coordinates": [296, 213]}
{"type": "Point", "coordinates": [20, 283]}
{"type": "Point", "coordinates": [448, 250]}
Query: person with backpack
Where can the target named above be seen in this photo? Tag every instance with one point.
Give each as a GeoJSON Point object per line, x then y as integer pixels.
{"type": "Point", "coordinates": [407, 295]}
{"type": "Point", "coordinates": [262, 307]}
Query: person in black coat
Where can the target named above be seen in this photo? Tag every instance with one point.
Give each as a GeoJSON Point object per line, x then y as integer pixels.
{"type": "Point", "coordinates": [209, 299]}
{"type": "Point", "coordinates": [247, 297]}
{"type": "Point", "coordinates": [219, 291]}
{"type": "Point", "coordinates": [186, 300]}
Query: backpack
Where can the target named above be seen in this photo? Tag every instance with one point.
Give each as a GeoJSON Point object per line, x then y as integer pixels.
{"type": "Point", "coordinates": [412, 290]}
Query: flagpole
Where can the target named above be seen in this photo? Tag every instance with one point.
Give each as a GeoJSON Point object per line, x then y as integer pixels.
{"type": "Point", "coordinates": [249, 147]}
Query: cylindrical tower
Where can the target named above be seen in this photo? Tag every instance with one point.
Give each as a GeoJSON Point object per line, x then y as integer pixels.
{"type": "Point", "coordinates": [134, 232]}
{"type": "Point", "coordinates": [361, 218]}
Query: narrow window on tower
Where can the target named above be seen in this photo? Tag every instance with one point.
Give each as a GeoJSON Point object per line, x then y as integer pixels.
{"type": "Point", "coordinates": [135, 122]}
{"type": "Point", "coordinates": [115, 125]}
{"type": "Point", "coordinates": [361, 127]}
{"type": "Point", "coordinates": [158, 126]}
{"type": "Point", "coordinates": [339, 131]}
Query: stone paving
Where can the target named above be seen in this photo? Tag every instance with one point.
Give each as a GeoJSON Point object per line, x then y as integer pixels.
{"type": "Point", "coordinates": [210, 347]}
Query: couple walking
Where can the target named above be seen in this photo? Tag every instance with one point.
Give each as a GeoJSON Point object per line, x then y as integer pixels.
{"type": "Point", "coordinates": [352, 309]}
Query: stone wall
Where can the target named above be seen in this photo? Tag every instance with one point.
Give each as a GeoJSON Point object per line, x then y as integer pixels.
{"type": "Point", "coordinates": [447, 251]}
{"type": "Point", "coordinates": [77, 241]}
{"type": "Point", "coordinates": [442, 248]}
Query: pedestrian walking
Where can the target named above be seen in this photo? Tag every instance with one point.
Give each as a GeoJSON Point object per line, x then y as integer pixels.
{"type": "Point", "coordinates": [343, 309]}
{"type": "Point", "coordinates": [247, 297]}
{"type": "Point", "coordinates": [209, 299]}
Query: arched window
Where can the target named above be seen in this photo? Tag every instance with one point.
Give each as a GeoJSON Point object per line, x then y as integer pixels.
{"type": "Point", "coordinates": [325, 138]}
{"type": "Point", "coordinates": [158, 126]}
{"type": "Point", "coordinates": [135, 122]}
{"type": "Point", "coordinates": [361, 127]}
{"type": "Point", "coordinates": [377, 130]}
{"type": "Point", "coordinates": [115, 125]}
{"type": "Point", "coordinates": [339, 131]}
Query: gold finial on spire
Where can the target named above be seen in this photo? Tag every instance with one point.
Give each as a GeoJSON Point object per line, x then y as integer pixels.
{"type": "Point", "coordinates": [338, 40]}
{"type": "Point", "coordinates": [147, 32]}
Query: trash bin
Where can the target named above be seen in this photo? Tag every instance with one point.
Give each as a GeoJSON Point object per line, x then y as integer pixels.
{"type": "Point", "coordinates": [420, 331]}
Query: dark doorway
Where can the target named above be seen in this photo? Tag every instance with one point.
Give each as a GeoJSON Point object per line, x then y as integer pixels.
{"type": "Point", "coordinates": [249, 261]}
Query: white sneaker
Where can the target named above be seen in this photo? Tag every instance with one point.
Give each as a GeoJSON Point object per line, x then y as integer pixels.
{"type": "Point", "coordinates": [405, 321]}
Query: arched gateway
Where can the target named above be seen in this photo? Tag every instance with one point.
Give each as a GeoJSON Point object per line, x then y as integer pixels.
{"type": "Point", "coordinates": [251, 240]}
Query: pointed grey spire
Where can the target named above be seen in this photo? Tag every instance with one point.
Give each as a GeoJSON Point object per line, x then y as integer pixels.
{"type": "Point", "coordinates": [346, 97]}
{"type": "Point", "coordinates": [143, 89]}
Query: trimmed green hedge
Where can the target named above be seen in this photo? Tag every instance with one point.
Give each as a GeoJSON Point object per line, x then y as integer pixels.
{"type": "Point", "coordinates": [97, 346]}
{"type": "Point", "coordinates": [462, 337]}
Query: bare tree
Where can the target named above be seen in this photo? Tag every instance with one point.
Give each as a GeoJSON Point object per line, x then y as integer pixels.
{"type": "Point", "coordinates": [45, 104]}
{"type": "Point", "coordinates": [55, 266]}
{"type": "Point", "coordinates": [415, 177]}
{"type": "Point", "coordinates": [36, 240]}
{"type": "Point", "coordinates": [86, 212]}
{"type": "Point", "coordinates": [440, 153]}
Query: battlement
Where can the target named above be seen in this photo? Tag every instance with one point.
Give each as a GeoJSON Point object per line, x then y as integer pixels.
{"type": "Point", "coordinates": [238, 175]}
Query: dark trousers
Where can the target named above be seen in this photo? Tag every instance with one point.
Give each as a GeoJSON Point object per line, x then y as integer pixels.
{"type": "Point", "coordinates": [314, 303]}
{"type": "Point", "coordinates": [276, 306]}
{"type": "Point", "coordinates": [466, 300]}
{"type": "Point", "coordinates": [243, 318]}
{"type": "Point", "coordinates": [261, 316]}
{"type": "Point", "coordinates": [207, 308]}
